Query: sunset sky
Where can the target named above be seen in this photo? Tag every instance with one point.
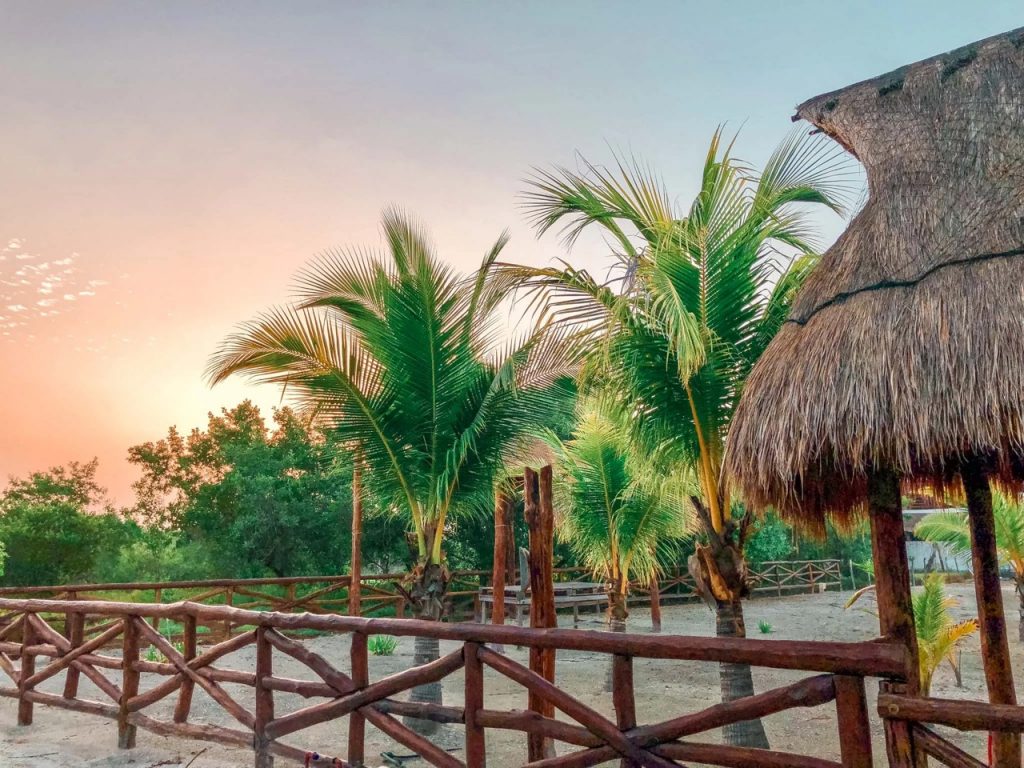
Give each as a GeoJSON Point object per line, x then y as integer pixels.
{"type": "Point", "coordinates": [165, 168]}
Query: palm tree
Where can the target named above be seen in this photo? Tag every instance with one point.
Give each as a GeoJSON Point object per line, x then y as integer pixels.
{"type": "Point", "coordinates": [938, 635]}
{"type": "Point", "coordinates": [617, 516]}
{"type": "Point", "coordinates": [952, 528]}
{"type": "Point", "coordinates": [693, 298]}
{"type": "Point", "coordinates": [404, 358]}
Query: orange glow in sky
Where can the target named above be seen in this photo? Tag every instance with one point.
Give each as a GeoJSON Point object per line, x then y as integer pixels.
{"type": "Point", "coordinates": [166, 168]}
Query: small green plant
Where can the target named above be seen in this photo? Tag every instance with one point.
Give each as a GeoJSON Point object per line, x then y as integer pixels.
{"type": "Point", "coordinates": [153, 655]}
{"type": "Point", "coordinates": [382, 645]}
{"type": "Point", "coordinates": [765, 627]}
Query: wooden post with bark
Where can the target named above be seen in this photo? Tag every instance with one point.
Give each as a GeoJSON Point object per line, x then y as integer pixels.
{"type": "Point", "coordinates": [502, 534]}
{"type": "Point", "coordinates": [264, 700]}
{"type": "Point", "coordinates": [28, 668]}
{"type": "Point", "coordinates": [655, 603]}
{"type": "Point", "coordinates": [188, 652]}
{"type": "Point", "coordinates": [476, 745]}
{"type": "Point", "coordinates": [539, 513]}
{"type": "Point", "coordinates": [355, 585]}
{"type": "Point", "coordinates": [895, 608]}
{"type": "Point", "coordinates": [995, 649]}
{"type": "Point", "coordinates": [360, 679]}
{"type": "Point", "coordinates": [129, 681]}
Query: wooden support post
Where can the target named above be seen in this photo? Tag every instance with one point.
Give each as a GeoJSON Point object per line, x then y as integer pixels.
{"type": "Point", "coordinates": [229, 600]}
{"type": "Point", "coordinates": [75, 631]}
{"type": "Point", "coordinates": [264, 700]}
{"type": "Point", "coordinates": [623, 698]}
{"type": "Point", "coordinates": [995, 649]}
{"type": "Point", "coordinates": [655, 603]}
{"type": "Point", "coordinates": [539, 520]}
{"type": "Point", "coordinates": [895, 608]}
{"type": "Point", "coordinates": [355, 584]}
{"type": "Point", "coordinates": [184, 705]}
{"type": "Point", "coordinates": [360, 663]}
{"type": "Point", "coordinates": [502, 520]}
{"type": "Point", "coordinates": [158, 597]}
{"type": "Point", "coordinates": [854, 728]}
{"type": "Point", "coordinates": [476, 745]}
{"type": "Point", "coordinates": [129, 681]}
{"type": "Point", "coordinates": [28, 668]}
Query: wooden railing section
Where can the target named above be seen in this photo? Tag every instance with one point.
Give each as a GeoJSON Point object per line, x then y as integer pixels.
{"type": "Point", "coordinates": [380, 595]}
{"type": "Point", "coordinates": [40, 652]}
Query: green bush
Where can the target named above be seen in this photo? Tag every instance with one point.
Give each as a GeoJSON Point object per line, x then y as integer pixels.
{"type": "Point", "coordinates": [382, 645]}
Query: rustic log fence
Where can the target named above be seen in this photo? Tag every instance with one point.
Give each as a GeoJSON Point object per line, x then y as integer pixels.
{"type": "Point", "coordinates": [838, 672]}
{"type": "Point", "coordinates": [380, 595]}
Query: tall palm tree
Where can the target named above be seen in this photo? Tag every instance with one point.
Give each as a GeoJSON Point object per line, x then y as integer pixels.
{"type": "Point", "coordinates": [952, 528]}
{"type": "Point", "coordinates": [403, 357]}
{"type": "Point", "coordinates": [693, 298]}
{"type": "Point", "coordinates": [618, 516]}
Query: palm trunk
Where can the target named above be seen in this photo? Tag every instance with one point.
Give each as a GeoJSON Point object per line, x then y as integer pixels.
{"type": "Point", "coordinates": [1018, 580]}
{"type": "Point", "coordinates": [428, 591]}
{"type": "Point", "coordinates": [736, 679]}
{"type": "Point", "coordinates": [617, 615]}
{"type": "Point", "coordinates": [719, 571]}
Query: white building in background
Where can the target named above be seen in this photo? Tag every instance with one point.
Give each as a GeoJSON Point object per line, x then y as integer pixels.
{"type": "Point", "coordinates": [926, 555]}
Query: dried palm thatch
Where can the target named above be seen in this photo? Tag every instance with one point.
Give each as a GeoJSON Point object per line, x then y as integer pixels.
{"type": "Point", "coordinates": [905, 348]}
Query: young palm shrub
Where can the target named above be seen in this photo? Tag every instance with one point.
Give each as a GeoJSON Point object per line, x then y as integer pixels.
{"type": "Point", "coordinates": [406, 359]}
{"type": "Point", "coordinates": [617, 516]}
{"type": "Point", "coordinates": [694, 297]}
{"type": "Point", "coordinates": [938, 634]}
{"type": "Point", "coordinates": [952, 528]}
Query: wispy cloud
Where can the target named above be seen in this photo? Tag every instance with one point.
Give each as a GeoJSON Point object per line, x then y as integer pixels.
{"type": "Point", "coordinates": [34, 289]}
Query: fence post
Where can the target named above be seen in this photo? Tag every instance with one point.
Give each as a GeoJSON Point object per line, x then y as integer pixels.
{"type": "Point", "coordinates": [229, 600]}
{"type": "Point", "coordinates": [854, 728]}
{"type": "Point", "coordinates": [476, 746]}
{"type": "Point", "coordinates": [158, 597]}
{"type": "Point", "coordinates": [75, 631]}
{"type": "Point", "coordinates": [181, 709]}
{"type": "Point", "coordinates": [356, 722]}
{"type": "Point", "coordinates": [623, 698]}
{"type": "Point", "coordinates": [812, 580]}
{"type": "Point", "coordinates": [264, 700]}
{"type": "Point", "coordinates": [778, 580]}
{"type": "Point", "coordinates": [129, 681]}
{"type": "Point", "coordinates": [28, 668]}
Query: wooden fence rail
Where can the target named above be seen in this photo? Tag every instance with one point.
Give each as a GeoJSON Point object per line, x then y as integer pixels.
{"type": "Point", "coordinates": [380, 595]}
{"type": "Point", "coordinates": [136, 685]}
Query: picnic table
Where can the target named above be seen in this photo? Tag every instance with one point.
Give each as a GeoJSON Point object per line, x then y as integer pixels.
{"type": "Point", "coordinates": [568, 594]}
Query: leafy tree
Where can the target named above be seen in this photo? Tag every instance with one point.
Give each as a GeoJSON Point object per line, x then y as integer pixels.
{"type": "Point", "coordinates": [952, 528]}
{"type": "Point", "coordinates": [769, 539]}
{"type": "Point", "coordinates": [402, 357]}
{"type": "Point", "coordinates": [56, 526]}
{"type": "Point", "coordinates": [694, 298]}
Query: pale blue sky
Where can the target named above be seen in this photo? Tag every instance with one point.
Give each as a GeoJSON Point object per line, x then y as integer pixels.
{"type": "Point", "coordinates": [190, 156]}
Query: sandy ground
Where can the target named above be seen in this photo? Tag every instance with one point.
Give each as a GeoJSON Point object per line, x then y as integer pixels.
{"type": "Point", "coordinates": [664, 689]}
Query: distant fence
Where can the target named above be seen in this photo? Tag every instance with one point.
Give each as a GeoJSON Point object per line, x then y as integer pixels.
{"type": "Point", "coordinates": [381, 597]}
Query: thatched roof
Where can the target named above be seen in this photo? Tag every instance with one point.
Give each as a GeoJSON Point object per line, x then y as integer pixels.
{"type": "Point", "coordinates": [906, 345]}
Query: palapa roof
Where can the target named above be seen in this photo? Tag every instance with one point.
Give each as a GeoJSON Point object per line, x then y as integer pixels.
{"type": "Point", "coordinates": [906, 345]}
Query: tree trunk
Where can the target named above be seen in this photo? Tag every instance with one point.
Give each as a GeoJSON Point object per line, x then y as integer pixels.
{"type": "Point", "coordinates": [617, 615]}
{"type": "Point", "coordinates": [736, 679]}
{"type": "Point", "coordinates": [1019, 581]}
{"type": "Point", "coordinates": [355, 586]}
{"type": "Point", "coordinates": [720, 575]}
{"type": "Point", "coordinates": [427, 594]}
{"type": "Point", "coordinates": [995, 649]}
